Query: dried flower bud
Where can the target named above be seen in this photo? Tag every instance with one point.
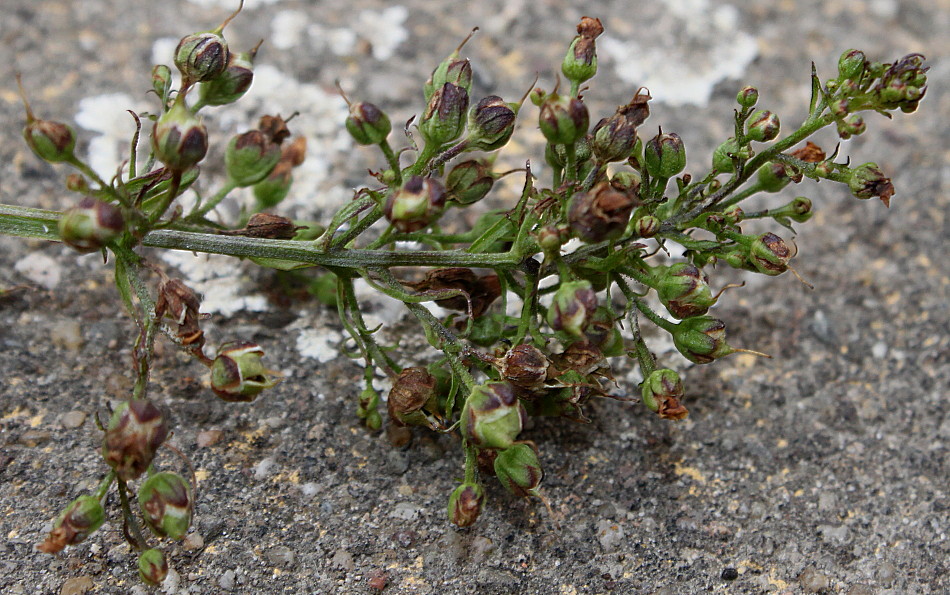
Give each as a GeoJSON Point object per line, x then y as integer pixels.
{"type": "Point", "coordinates": [580, 63]}
{"type": "Point", "coordinates": [413, 397]}
{"type": "Point", "coordinates": [701, 339]}
{"type": "Point", "coordinates": [747, 97]}
{"type": "Point", "coordinates": [265, 225]}
{"type": "Point", "coordinates": [201, 56]}
{"type": "Point", "coordinates": [465, 504]}
{"type": "Point", "coordinates": [664, 155]}
{"type": "Point", "coordinates": [492, 416]}
{"type": "Point", "coordinates": [763, 126]}
{"type": "Point", "coordinates": [563, 119]}
{"type": "Point", "coordinates": [250, 157]}
{"type": "Point", "coordinates": [181, 304]}
{"type": "Point", "coordinates": [166, 504]}
{"type": "Point", "coordinates": [868, 181]}
{"type": "Point", "coordinates": [232, 83]}
{"type": "Point", "coordinates": [136, 430]}
{"type": "Point", "coordinates": [179, 139]}
{"type": "Point", "coordinates": [153, 568]}
{"type": "Point", "coordinates": [851, 65]}
{"type": "Point", "coordinates": [662, 392]}
{"type": "Point", "coordinates": [162, 81]}
{"type": "Point", "coordinates": [90, 225]}
{"type": "Point", "coordinates": [574, 304]}
{"type": "Point", "coordinates": [481, 291]}
{"type": "Point", "coordinates": [519, 471]}
{"type": "Point", "coordinates": [769, 254]}
{"type": "Point", "coordinates": [615, 137]}
{"type": "Point", "coordinates": [367, 124]}
{"type": "Point", "coordinates": [525, 366]}
{"type": "Point", "coordinates": [469, 181]}
{"type": "Point", "coordinates": [77, 522]}
{"type": "Point", "coordinates": [490, 124]}
{"type": "Point", "coordinates": [237, 374]}
{"type": "Point", "coordinates": [417, 204]}
{"type": "Point", "coordinates": [600, 214]}
{"type": "Point", "coordinates": [683, 289]}
{"type": "Point", "coordinates": [444, 118]}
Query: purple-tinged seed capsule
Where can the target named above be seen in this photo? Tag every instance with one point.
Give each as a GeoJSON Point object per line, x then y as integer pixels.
{"type": "Point", "coordinates": [136, 430]}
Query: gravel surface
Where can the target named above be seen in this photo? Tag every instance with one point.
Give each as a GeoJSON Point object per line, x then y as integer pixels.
{"type": "Point", "coordinates": [822, 470]}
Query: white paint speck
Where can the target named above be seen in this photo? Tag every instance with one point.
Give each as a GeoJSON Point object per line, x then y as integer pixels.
{"type": "Point", "coordinates": [107, 115]}
{"type": "Point", "coordinates": [221, 281]}
{"type": "Point", "coordinates": [321, 344]}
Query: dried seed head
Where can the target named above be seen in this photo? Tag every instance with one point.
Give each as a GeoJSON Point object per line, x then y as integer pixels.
{"type": "Point", "coordinates": [601, 213]}
{"type": "Point", "coordinates": [525, 366]}
{"type": "Point", "coordinates": [580, 63]}
{"type": "Point", "coordinates": [490, 124]}
{"type": "Point", "coordinates": [615, 137]}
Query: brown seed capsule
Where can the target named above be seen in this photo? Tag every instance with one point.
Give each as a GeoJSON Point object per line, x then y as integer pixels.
{"type": "Point", "coordinates": [601, 213]}
{"type": "Point", "coordinates": [481, 290]}
{"type": "Point", "coordinates": [413, 389]}
{"type": "Point", "coordinates": [525, 366]}
{"type": "Point", "coordinates": [135, 431]}
{"type": "Point", "coordinates": [465, 504]}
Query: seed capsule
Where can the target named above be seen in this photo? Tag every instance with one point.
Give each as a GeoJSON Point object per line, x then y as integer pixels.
{"type": "Point", "coordinates": [179, 139]}
{"type": "Point", "coordinates": [662, 392]}
{"type": "Point", "coordinates": [153, 568]}
{"type": "Point", "coordinates": [77, 522]}
{"type": "Point", "coordinates": [237, 374]}
{"type": "Point", "coordinates": [525, 366]}
{"type": "Point", "coordinates": [469, 181]}
{"type": "Point", "coordinates": [519, 471]}
{"type": "Point", "coordinates": [417, 204]}
{"type": "Point", "coordinates": [701, 339]}
{"type": "Point", "coordinates": [492, 416]}
{"type": "Point", "coordinates": [763, 126]}
{"type": "Point", "coordinates": [367, 124]}
{"type": "Point", "coordinates": [166, 504]}
{"type": "Point", "coordinates": [90, 225]}
{"type": "Point", "coordinates": [465, 504]}
{"type": "Point", "coordinates": [136, 430]}
{"type": "Point", "coordinates": [231, 83]}
{"type": "Point", "coordinates": [574, 304]}
{"type": "Point", "coordinates": [580, 63]}
{"type": "Point", "coordinates": [445, 115]}
{"type": "Point", "coordinates": [747, 97]}
{"type": "Point", "coordinates": [563, 119]}
{"type": "Point", "coordinates": [664, 155]}
{"type": "Point", "coordinates": [490, 124]}
{"type": "Point", "coordinates": [51, 141]}
{"type": "Point", "coordinates": [201, 56]}
{"type": "Point", "coordinates": [250, 157]}
{"type": "Point", "coordinates": [769, 254]}
{"type": "Point", "coordinates": [413, 391]}
{"type": "Point", "coordinates": [683, 289]}
{"type": "Point", "coordinates": [601, 213]}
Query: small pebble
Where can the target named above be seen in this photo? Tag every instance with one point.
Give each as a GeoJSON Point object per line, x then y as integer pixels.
{"type": "Point", "coordinates": [377, 580]}
{"type": "Point", "coordinates": [208, 438]}
{"type": "Point", "coordinates": [813, 581]}
{"type": "Point", "coordinates": [73, 419]}
{"type": "Point", "coordinates": [729, 574]}
{"type": "Point", "coordinates": [343, 559]}
{"type": "Point", "coordinates": [405, 511]}
{"type": "Point", "coordinates": [67, 334]}
{"type": "Point", "coordinates": [193, 541]}
{"type": "Point", "coordinates": [33, 438]}
{"type": "Point", "coordinates": [609, 534]}
{"type": "Point", "coordinates": [280, 555]}
{"type": "Point", "coordinates": [226, 581]}
{"type": "Point", "coordinates": [76, 585]}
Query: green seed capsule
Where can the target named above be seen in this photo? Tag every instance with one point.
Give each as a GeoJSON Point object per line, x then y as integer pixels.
{"type": "Point", "coordinates": [77, 522]}
{"type": "Point", "coordinates": [465, 504]}
{"type": "Point", "coordinates": [237, 374]}
{"type": "Point", "coordinates": [153, 568]}
{"type": "Point", "coordinates": [492, 416]}
{"type": "Point", "coordinates": [166, 504]}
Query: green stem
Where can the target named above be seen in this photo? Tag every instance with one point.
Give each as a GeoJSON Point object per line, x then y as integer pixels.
{"type": "Point", "coordinates": [471, 463]}
{"type": "Point", "coordinates": [197, 213]}
{"type": "Point", "coordinates": [393, 160]}
{"type": "Point", "coordinates": [138, 541]}
{"type": "Point", "coordinates": [104, 485]}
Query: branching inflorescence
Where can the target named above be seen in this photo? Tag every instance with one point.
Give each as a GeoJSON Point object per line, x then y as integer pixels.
{"type": "Point", "coordinates": [623, 196]}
